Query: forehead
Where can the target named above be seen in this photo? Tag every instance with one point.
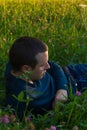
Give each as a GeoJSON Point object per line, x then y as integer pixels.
{"type": "Point", "coordinates": [42, 57]}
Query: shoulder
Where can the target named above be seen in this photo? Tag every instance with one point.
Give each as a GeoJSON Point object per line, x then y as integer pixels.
{"type": "Point", "coordinates": [54, 64]}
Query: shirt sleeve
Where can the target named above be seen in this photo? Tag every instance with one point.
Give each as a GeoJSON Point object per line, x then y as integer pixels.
{"type": "Point", "coordinates": [14, 88]}
{"type": "Point", "coordinates": [58, 75]}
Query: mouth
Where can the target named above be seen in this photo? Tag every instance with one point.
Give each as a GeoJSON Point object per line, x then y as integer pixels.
{"type": "Point", "coordinates": [44, 73]}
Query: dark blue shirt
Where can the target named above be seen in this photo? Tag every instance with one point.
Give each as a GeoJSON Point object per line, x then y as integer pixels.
{"type": "Point", "coordinates": [42, 92]}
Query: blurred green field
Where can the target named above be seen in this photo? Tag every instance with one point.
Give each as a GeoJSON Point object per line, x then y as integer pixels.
{"type": "Point", "coordinates": [61, 24]}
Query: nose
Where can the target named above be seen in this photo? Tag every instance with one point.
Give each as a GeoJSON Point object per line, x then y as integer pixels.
{"type": "Point", "coordinates": [47, 66]}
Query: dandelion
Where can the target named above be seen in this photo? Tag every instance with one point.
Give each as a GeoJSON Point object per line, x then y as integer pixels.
{"type": "Point", "coordinates": [83, 5]}
{"type": "Point", "coordinates": [4, 39]}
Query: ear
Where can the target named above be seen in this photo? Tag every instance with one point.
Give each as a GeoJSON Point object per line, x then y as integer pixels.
{"type": "Point", "coordinates": [25, 68]}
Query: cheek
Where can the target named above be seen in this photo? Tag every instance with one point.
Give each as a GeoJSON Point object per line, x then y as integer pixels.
{"type": "Point", "coordinates": [42, 69]}
{"type": "Point", "coordinates": [38, 71]}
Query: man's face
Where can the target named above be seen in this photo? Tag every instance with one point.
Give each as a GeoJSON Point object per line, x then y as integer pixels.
{"type": "Point", "coordinates": [40, 69]}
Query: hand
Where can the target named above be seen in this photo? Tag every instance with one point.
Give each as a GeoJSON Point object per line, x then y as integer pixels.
{"type": "Point", "coordinates": [61, 95]}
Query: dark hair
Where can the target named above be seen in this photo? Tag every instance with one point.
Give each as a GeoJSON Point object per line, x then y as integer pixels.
{"type": "Point", "coordinates": [24, 51]}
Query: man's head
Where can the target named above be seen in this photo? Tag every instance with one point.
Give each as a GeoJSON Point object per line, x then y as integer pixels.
{"type": "Point", "coordinates": [28, 53]}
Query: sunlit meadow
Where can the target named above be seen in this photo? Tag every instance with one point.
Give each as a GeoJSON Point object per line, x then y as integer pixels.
{"type": "Point", "coordinates": [62, 25]}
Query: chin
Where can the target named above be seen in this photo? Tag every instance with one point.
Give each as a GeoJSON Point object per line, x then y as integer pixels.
{"type": "Point", "coordinates": [40, 77]}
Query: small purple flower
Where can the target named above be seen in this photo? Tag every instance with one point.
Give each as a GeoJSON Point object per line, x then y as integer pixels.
{"type": "Point", "coordinates": [27, 119]}
{"type": "Point", "coordinates": [78, 93]}
{"type": "Point", "coordinates": [52, 128]}
{"type": "Point", "coordinates": [5, 119]}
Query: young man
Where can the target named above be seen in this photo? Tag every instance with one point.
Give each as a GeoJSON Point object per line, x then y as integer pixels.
{"type": "Point", "coordinates": [47, 82]}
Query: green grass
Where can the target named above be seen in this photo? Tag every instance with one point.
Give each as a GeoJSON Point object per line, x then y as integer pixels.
{"type": "Point", "coordinates": [62, 25]}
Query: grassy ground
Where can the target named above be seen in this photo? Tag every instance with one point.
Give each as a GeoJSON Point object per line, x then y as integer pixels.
{"type": "Point", "coordinates": [61, 24]}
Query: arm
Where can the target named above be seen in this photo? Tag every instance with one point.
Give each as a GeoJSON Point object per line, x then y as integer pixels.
{"type": "Point", "coordinates": [58, 75]}
{"type": "Point", "coordinates": [61, 95]}
{"type": "Point", "coordinates": [61, 82]}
